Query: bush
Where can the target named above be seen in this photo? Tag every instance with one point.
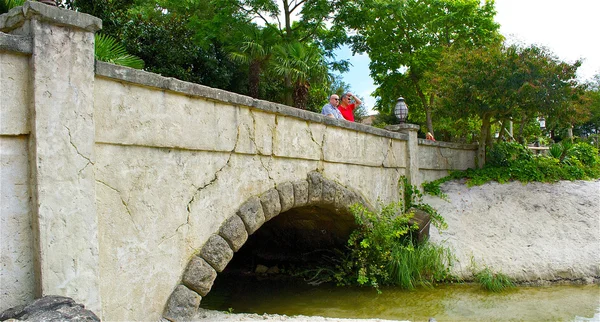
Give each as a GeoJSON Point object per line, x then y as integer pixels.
{"type": "Point", "coordinates": [584, 152]}
{"type": "Point", "coordinates": [503, 154]}
{"type": "Point", "coordinates": [383, 252]}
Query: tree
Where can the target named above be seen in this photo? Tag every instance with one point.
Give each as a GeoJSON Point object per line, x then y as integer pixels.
{"type": "Point", "coordinates": [496, 83]}
{"type": "Point", "coordinates": [405, 38]}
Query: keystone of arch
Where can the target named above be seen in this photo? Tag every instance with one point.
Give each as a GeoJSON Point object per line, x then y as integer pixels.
{"type": "Point", "coordinates": [218, 250]}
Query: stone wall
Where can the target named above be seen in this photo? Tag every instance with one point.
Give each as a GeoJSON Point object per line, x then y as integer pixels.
{"type": "Point", "coordinates": [16, 235]}
{"type": "Point", "coordinates": [113, 179]}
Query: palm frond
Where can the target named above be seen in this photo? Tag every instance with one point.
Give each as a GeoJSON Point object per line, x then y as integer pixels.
{"type": "Point", "coordinates": [107, 49]}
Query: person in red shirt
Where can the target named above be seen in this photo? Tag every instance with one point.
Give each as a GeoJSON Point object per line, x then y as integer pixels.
{"type": "Point", "coordinates": [346, 106]}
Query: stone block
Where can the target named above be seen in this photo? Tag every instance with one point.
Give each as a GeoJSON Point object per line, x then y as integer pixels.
{"type": "Point", "coordinates": [300, 193]}
{"type": "Point", "coordinates": [328, 192]}
{"type": "Point", "coordinates": [270, 203]}
{"type": "Point", "coordinates": [217, 252]}
{"type": "Point", "coordinates": [252, 214]}
{"type": "Point", "coordinates": [182, 304]}
{"type": "Point", "coordinates": [315, 188]}
{"type": "Point", "coordinates": [286, 196]}
{"type": "Point", "coordinates": [344, 198]}
{"type": "Point", "coordinates": [199, 276]}
{"type": "Point", "coordinates": [234, 232]}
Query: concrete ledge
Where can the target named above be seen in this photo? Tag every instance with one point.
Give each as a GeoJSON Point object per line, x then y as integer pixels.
{"type": "Point", "coordinates": [16, 17]}
{"type": "Point", "coordinates": [20, 44]}
{"type": "Point", "coordinates": [451, 145]}
{"type": "Point", "coordinates": [144, 78]}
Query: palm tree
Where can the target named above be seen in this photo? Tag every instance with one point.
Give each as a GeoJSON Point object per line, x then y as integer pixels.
{"type": "Point", "coordinates": [300, 63]}
{"type": "Point", "coordinates": [256, 52]}
{"type": "Point", "coordinates": [109, 50]}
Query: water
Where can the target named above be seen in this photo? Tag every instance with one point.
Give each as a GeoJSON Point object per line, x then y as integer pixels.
{"type": "Point", "coordinates": [445, 303]}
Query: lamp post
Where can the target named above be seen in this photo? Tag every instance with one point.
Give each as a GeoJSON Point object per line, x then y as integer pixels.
{"type": "Point", "coordinates": [401, 110]}
{"type": "Point", "coordinates": [542, 122]}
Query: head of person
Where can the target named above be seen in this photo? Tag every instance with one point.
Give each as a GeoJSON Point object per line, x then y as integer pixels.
{"type": "Point", "coordinates": [334, 100]}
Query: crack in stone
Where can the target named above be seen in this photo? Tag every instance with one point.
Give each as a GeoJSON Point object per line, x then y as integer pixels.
{"type": "Point", "coordinates": [268, 171]}
{"type": "Point", "coordinates": [198, 190]}
{"type": "Point", "coordinates": [77, 150]}
{"type": "Point", "coordinates": [387, 152]}
{"type": "Point", "coordinates": [123, 202]}
{"type": "Point", "coordinates": [320, 145]}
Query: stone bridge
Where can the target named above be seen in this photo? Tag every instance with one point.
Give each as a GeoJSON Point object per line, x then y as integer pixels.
{"type": "Point", "coordinates": [130, 192]}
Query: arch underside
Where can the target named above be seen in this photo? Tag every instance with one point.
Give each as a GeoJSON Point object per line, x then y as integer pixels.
{"type": "Point", "coordinates": [303, 202]}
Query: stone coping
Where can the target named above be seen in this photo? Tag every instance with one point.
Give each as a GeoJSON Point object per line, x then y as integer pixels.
{"type": "Point", "coordinates": [16, 17]}
{"type": "Point", "coordinates": [451, 145]}
{"type": "Point", "coordinates": [20, 44]}
{"type": "Point", "coordinates": [140, 77]}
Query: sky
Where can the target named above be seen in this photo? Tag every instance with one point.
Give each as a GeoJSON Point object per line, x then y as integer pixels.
{"type": "Point", "coordinates": [570, 29]}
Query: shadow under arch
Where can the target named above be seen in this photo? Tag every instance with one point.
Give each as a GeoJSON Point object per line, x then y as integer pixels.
{"type": "Point", "coordinates": [218, 250]}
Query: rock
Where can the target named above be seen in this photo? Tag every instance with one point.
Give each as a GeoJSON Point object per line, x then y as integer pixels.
{"type": "Point", "coordinates": [261, 269]}
{"type": "Point", "coordinates": [50, 308]}
{"type": "Point", "coordinates": [273, 270]}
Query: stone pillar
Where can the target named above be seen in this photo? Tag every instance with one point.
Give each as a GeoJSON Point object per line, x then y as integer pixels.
{"type": "Point", "coordinates": [61, 147]}
{"type": "Point", "coordinates": [412, 153]}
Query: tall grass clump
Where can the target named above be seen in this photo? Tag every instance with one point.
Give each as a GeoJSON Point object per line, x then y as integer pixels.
{"type": "Point", "coordinates": [493, 281]}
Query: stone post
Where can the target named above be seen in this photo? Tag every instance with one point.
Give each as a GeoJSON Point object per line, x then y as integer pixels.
{"type": "Point", "coordinates": [412, 153]}
{"type": "Point", "coordinates": [61, 149]}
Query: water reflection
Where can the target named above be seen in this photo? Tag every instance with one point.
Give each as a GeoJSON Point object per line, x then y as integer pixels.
{"type": "Point", "coordinates": [445, 303]}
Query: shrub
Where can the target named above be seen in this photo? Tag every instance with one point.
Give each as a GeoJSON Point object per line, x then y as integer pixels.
{"type": "Point", "coordinates": [383, 252]}
{"type": "Point", "coordinates": [584, 152]}
{"type": "Point", "coordinates": [505, 153]}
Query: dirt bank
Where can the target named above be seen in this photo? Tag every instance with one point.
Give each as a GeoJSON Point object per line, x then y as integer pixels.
{"type": "Point", "coordinates": [533, 232]}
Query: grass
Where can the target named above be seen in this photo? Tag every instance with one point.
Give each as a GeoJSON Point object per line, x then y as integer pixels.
{"type": "Point", "coordinates": [424, 265]}
{"type": "Point", "coordinates": [493, 281]}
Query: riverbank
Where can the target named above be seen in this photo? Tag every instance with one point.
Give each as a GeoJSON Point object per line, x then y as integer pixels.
{"type": "Point", "coordinates": [535, 233]}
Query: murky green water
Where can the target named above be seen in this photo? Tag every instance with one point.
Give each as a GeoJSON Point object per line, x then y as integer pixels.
{"type": "Point", "coordinates": [445, 303]}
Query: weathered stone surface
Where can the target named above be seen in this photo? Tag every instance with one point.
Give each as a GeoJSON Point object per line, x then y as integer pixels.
{"type": "Point", "coordinates": [217, 252]}
{"type": "Point", "coordinates": [15, 228]}
{"type": "Point", "coordinates": [270, 203]}
{"type": "Point", "coordinates": [234, 232]}
{"type": "Point", "coordinates": [328, 192]}
{"type": "Point", "coordinates": [315, 188]}
{"type": "Point", "coordinates": [199, 276]}
{"type": "Point", "coordinates": [300, 193]}
{"type": "Point", "coordinates": [182, 304]}
{"type": "Point", "coordinates": [252, 214]}
{"type": "Point", "coordinates": [344, 198]}
{"type": "Point", "coordinates": [286, 196]}
{"type": "Point", "coordinates": [50, 308]}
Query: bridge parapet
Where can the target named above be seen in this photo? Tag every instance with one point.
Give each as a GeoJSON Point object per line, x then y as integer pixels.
{"type": "Point", "coordinates": [125, 175]}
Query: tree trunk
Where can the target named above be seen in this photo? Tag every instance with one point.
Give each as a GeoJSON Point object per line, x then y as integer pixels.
{"type": "Point", "coordinates": [502, 129]}
{"type": "Point", "coordinates": [426, 105]}
{"type": "Point", "coordinates": [254, 79]}
{"type": "Point", "coordinates": [483, 137]}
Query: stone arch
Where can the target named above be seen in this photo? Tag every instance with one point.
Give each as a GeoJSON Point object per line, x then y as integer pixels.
{"type": "Point", "coordinates": [218, 250]}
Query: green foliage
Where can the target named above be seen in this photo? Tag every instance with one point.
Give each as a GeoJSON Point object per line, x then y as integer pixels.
{"type": "Point", "coordinates": [566, 161]}
{"type": "Point", "coordinates": [493, 281]}
{"type": "Point", "coordinates": [585, 153]}
{"type": "Point", "coordinates": [382, 252]}
{"type": "Point", "coordinates": [6, 5]}
{"type": "Point", "coordinates": [413, 198]}
{"type": "Point", "coordinates": [109, 50]}
{"type": "Point", "coordinates": [503, 154]}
